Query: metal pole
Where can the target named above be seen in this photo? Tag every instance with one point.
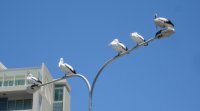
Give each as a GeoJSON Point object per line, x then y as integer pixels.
{"type": "Point", "coordinates": [91, 88]}
{"type": "Point", "coordinates": [69, 76]}
{"type": "Point", "coordinates": [64, 77]}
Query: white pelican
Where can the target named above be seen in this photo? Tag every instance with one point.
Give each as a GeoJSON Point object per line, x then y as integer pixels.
{"type": "Point", "coordinates": [162, 22]}
{"type": "Point", "coordinates": [138, 38]}
{"type": "Point", "coordinates": [33, 80]}
{"type": "Point", "coordinates": [66, 68]}
{"type": "Point", "coordinates": [118, 46]}
{"type": "Point", "coordinates": [165, 32]}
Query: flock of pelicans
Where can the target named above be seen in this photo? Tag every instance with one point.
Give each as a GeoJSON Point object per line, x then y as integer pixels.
{"type": "Point", "coordinates": [167, 28]}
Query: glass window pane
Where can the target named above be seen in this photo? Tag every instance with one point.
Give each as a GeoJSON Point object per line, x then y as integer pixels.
{"type": "Point", "coordinates": [58, 106]}
{"type": "Point", "coordinates": [20, 79]}
{"type": "Point", "coordinates": [19, 104]}
{"type": "Point", "coordinates": [11, 105]}
{"type": "Point", "coordinates": [1, 81]}
{"type": "Point", "coordinates": [28, 104]}
{"type": "Point", "coordinates": [10, 83]}
{"type": "Point", "coordinates": [3, 104]}
{"type": "Point", "coordinates": [8, 79]}
{"type": "Point", "coordinates": [19, 82]}
{"type": "Point", "coordinates": [5, 83]}
{"type": "Point", "coordinates": [58, 94]}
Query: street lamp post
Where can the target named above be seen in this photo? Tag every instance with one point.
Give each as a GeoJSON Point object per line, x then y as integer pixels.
{"type": "Point", "coordinates": [160, 34]}
{"type": "Point", "coordinates": [91, 87]}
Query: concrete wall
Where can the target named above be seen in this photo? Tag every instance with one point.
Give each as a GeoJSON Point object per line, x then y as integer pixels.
{"type": "Point", "coordinates": [66, 100]}
{"type": "Point", "coordinates": [43, 98]}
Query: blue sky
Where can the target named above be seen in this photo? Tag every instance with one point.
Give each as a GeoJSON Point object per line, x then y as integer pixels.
{"type": "Point", "coordinates": [165, 76]}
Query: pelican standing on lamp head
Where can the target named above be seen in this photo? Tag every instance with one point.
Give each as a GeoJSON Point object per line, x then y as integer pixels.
{"type": "Point", "coordinates": [33, 80]}
{"type": "Point", "coordinates": [165, 32]}
{"type": "Point", "coordinates": [138, 38]}
{"type": "Point", "coordinates": [66, 68]}
{"type": "Point", "coordinates": [118, 46]}
{"type": "Point", "coordinates": [162, 22]}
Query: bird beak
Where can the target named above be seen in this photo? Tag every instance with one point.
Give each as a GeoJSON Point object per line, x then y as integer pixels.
{"type": "Point", "coordinates": [156, 15]}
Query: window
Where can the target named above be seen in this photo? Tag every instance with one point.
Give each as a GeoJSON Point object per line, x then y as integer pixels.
{"type": "Point", "coordinates": [0, 83]}
{"type": "Point", "coordinates": [57, 106]}
{"type": "Point", "coordinates": [58, 96]}
{"type": "Point", "coordinates": [11, 105]}
{"type": "Point", "coordinates": [9, 79]}
{"type": "Point", "coordinates": [5, 83]}
{"type": "Point", "coordinates": [10, 83]}
{"type": "Point", "coordinates": [28, 104]}
{"type": "Point", "coordinates": [19, 82]}
{"type": "Point", "coordinates": [58, 99]}
{"type": "Point", "coordinates": [19, 79]}
{"type": "Point", "coordinates": [19, 104]}
{"type": "Point", "coordinates": [3, 104]}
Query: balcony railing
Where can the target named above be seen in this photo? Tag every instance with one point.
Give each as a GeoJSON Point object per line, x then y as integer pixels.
{"type": "Point", "coordinates": [15, 78]}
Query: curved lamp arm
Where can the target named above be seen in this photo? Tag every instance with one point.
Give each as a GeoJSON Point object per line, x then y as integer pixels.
{"type": "Point", "coordinates": [113, 59]}
{"type": "Point", "coordinates": [75, 75]}
{"type": "Point", "coordinates": [69, 76]}
{"type": "Point", "coordinates": [91, 88]}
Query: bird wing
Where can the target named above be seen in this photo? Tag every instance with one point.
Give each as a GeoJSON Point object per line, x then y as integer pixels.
{"type": "Point", "coordinates": [123, 46]}
{"type": "Point", "coordinates": [142, 38]}
{"type": "Point", "coordinates": [70, 68]}
{"type": "Point", "coordinates": [29, 80]}
{"type": "Point", "coordinates": [34, 79]}
{"type": "Point", "coordinates": [169, 22]}
{"type": "Point", "coordinates": [139, 39]}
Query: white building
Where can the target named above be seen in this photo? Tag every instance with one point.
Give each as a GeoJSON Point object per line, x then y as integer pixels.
{"type": "Point", "coordinates": [14, 95]}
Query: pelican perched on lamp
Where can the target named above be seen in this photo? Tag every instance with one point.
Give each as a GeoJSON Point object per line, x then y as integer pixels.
{"type": "Point", "coordinates": [66, 68]}
{"type": "Point", "coordinates": [33, 80]}
{"type": "Point", "coordinates": [165, 32]}
{"type": "Point", "coordinates": [118, 46]}
{"type": "Point", "coordinates": [138, 38]}
{"type": "Point", "coordinates": [162, 22]}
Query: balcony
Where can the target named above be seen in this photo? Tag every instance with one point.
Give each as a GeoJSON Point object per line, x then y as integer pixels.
{"type": "Point", "coordinates": [15, 80]}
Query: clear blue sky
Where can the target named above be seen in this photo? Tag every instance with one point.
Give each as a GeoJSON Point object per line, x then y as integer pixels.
{"type": "Point", "coordinates": [165, 76]}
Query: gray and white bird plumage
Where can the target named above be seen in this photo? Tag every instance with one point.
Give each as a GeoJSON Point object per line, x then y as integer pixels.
{"type": "Point", "coordinates": [162, 22]}
{"type": "Point", "coordinates": [165, 32]}
{"type": "Point", "coordinates": [33, 80]}
{"type": "Point", "coordinates": [138, 38]}
{"type": "Point", "coordinates": [118, 46]}
{"type": "Point", "coordinates": [66, 68]}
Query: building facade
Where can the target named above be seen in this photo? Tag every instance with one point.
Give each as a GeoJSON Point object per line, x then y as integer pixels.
{"type": "Point", "coordinates": [14, 95]}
